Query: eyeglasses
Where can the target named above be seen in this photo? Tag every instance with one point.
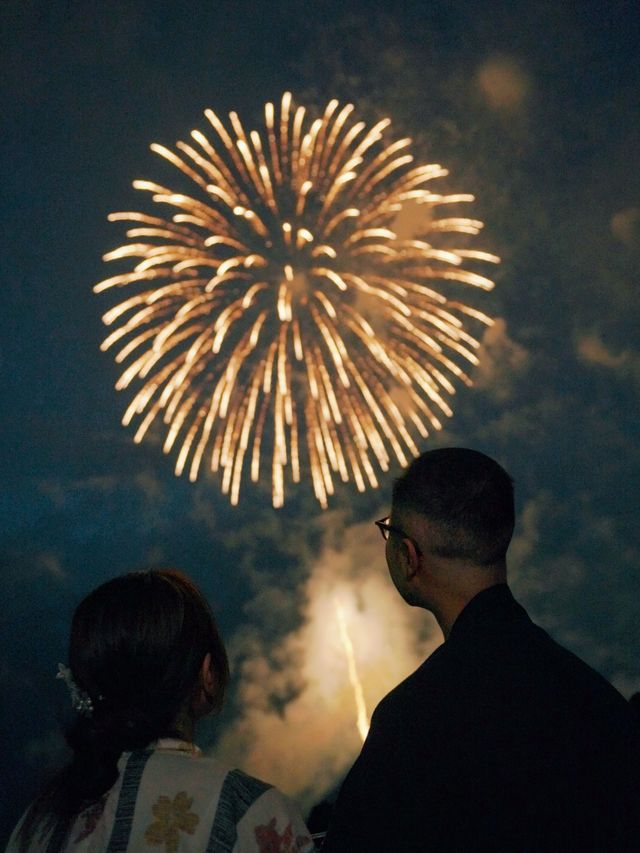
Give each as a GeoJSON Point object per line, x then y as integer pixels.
{"type": "Point", "coordinates": [385, 528]}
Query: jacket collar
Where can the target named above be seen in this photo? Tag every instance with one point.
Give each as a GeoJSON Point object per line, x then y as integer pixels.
{"type": "Point", "coordinates": [492, 606]}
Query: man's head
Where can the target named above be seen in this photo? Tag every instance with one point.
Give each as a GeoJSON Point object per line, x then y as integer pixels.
{"type": "Point", "coordinates": [451, 522]}
{"type": "Point", "coordinates": [466, 496]}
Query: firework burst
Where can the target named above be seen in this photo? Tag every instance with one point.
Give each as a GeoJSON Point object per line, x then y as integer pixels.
{"type": "Point", "coordinates": [278, 317]}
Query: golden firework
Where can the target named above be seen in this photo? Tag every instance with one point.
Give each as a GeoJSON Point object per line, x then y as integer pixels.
{"type": "Point", "coordinates": [282, 314]}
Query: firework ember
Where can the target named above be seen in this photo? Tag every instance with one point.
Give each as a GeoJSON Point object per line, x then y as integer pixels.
{"type": "Point", "coordinates": [277, 317]}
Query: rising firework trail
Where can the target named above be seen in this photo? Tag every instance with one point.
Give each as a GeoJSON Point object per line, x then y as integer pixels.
{"type": "Point", "coordinates": [276, 316]}
{"type": "Point", "coordinates": [362, 721]}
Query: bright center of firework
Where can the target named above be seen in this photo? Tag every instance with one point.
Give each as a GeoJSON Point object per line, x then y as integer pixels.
{"type": "Point", "coordinates": [301, 308]}
{"type": "Point", "coordinates": [300, 286]}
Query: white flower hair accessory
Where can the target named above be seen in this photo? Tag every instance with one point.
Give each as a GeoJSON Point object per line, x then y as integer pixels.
{"type": "Point", "coordinates": [80, 699]}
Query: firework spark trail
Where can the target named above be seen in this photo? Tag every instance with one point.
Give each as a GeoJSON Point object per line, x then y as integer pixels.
{"type": "Point", "coordinates": [361, 708]}
{"type": "Point", "coordinates": [277, 319]}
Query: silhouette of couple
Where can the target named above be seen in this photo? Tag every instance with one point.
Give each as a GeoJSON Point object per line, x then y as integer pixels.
{"type": "Point", "coordinates": [501, 741]}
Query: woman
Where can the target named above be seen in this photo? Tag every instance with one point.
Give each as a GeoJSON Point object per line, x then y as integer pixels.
{"type": "Point", "coordinates": [145, 663]}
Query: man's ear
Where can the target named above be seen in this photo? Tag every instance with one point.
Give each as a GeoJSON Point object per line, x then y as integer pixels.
{"type": "Point", "coordinates": [413, 558]}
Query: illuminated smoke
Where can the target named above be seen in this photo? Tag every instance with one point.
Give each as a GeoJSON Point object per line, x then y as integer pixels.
{"type": "Point", "coordinates": [503, 83]}
{"type": "Point", "coordinates": [281, 317]}
{"type": "Point", "coordinates": [305, 743]}
{"type": "Point", "coordinates": [625, 226]}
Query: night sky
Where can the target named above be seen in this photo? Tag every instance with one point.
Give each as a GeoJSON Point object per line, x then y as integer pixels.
{"type": "Point", "coordinates": [534, 108]}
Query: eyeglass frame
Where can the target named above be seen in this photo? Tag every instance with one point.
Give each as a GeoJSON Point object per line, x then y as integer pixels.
{"type": "Point", "coordinates": [386, 529]}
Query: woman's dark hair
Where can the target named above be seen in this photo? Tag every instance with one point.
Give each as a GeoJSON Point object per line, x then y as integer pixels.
{"type": "Point", "coordinates": [136, 649]}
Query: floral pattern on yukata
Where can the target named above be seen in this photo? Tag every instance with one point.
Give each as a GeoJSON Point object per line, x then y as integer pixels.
{"type": "Point", "coordinates": [270, 841]}
{"type": "Point", "coordinates": [89, 819]}
{"type": "Point", "coordinates": [171, 818]}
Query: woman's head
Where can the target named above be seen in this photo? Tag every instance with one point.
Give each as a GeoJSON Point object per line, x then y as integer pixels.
{"type": "Point", "coordinates": [145, 649]}
{"type": "Point", "coordinates": [137, 647]}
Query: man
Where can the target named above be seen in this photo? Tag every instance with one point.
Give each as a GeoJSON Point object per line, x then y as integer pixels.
{"type": "Point", "coordinates": [502, 740]}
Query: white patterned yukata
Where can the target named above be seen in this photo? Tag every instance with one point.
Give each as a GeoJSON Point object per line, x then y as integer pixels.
{"type": "Point", "coordinates": [170, 798]}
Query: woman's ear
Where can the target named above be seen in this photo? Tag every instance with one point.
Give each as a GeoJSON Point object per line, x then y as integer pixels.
{"type": "Point", "coordinates": [204, 698]}
{"type": "Point", "coordinates": [206, 676]}
{"type": "Point", "coordinates": [207, 681]}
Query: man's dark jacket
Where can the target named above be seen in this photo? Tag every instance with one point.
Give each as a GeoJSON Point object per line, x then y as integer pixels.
{"type": "Point", "coordinates": [501, 741]}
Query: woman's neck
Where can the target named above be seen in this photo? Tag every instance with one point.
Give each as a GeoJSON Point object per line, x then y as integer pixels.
{"type": "Point", "coordinates": [171, 744]}
{"type": "Point", "coordinates": [184, 725]}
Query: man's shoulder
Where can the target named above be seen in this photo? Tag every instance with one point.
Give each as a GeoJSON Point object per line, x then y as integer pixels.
{"type": "Point", "coordinates": [528, 649]}
{"type": "Point", "coordinates": [509, 660]}
{"type": "Point", "coordinates": [580, 679]}
{"type": "Point", "coordinates": [421, 688]}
